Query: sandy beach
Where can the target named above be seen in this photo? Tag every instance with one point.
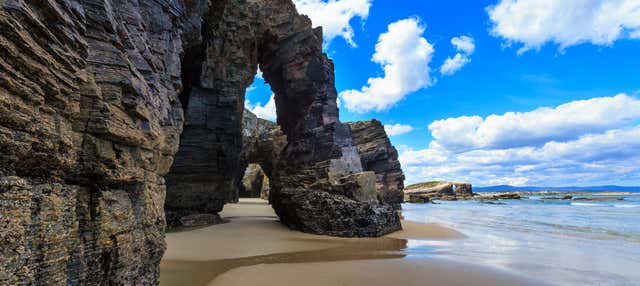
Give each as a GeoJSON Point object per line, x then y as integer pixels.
{"type": "Point", "coordinates": [253, 247]}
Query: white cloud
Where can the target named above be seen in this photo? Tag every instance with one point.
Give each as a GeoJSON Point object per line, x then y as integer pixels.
{"type": "Point", "coordinates": [334, 16]}
{"type": "Point", "coordinates": [588, 142]}
{"type": "Point", "coordinates": [612, 157]}
{"type": "Point", "coordinates": [397, 129]}
{"type": "Point", "coordinates": [465, 47]}
{"type": "Point", "coordinates": [452, 65]}
{"type": "Point", "coordinates": [534, 23]}
{"type": "Point", "coordinates": [513, 181]}
{"type": "Point", "coordinates": [410, 157]}
{"type": "Point", "coordinates": [512, 129]}
{"type": "Point", "coordinates": [268, 111]}
{"type": "Point", "coordinates": [464, 44]}
{"type": "Point", "coordinates": [405, 56]}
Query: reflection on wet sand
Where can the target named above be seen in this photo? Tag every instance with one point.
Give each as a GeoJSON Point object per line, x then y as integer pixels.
{"type": "Point", "coordinates": [201, 272]}
{"type": "Point", "coordinates": [253, 240]}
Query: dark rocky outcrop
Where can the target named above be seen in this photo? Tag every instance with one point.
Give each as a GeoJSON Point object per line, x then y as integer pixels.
{"type": "Point", "coordinates": [599, 199]}
{"type": "Point", "coordinates": [565, 197]}
{"type": "Point", "coordinates": [499, 196]}
{"type": "Point", "coordinates": [106, 107]}
{"type": "Point", "coordinates": [462, 190]}
{"type": "Point", "coordinates": [419, 199]}
{"type": "Point", "coordinates": [317, 211]}
{"type": "Point", "coordinates": [378, 155]}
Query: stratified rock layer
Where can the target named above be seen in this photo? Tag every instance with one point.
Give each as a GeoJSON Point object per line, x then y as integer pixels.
{"type": "Point", "coordinates": [378, 155]}
{"type": "Point", "coordinates": [238, 36]}
{"type": "Point", "coordinates": [317, 211]}
{"type": "Point", "coordinates": [447, 191]}
{"type": "Point", "coordinates": [89, 122]}
{"type": "Point", "coordinates": [96, 98]}
{"type": "Point", "coordinates": [263, 142]}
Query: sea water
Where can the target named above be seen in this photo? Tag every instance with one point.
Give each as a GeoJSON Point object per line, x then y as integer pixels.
{"type": "Point", "coordinates": [561, 242]}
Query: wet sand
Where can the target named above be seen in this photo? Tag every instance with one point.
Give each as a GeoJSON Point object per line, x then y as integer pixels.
{"type": "Point", "coordinates": [254, 248]}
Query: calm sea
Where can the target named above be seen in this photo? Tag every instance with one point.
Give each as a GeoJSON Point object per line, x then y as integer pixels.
{"type": "Point", "coordinates": [559, 242]}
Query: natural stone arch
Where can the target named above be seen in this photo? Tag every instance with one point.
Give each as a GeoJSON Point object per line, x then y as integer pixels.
{"type": "Point", "coordinates": [254, 183]}
{"type": "Point", "coordinates": [262, 144]}
{"type": "Point", "coordinates": [319, 161]}
{"type": "Point", "coordinates": [92, 99]}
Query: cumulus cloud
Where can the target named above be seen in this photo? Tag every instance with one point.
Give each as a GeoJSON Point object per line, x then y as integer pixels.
{"type": "Point", "coordinates": [397, 129]}
{"type": "Point", "coordinates": [590, 160]}
{"type": "Point", "coordinates": [267, 111]}
{"type": "Point", "coordinates": [334, 16]}
{"type": "Point", "coordinates": [464, 44]}
{"type": "Point", "coordinates": [405, 55]}
{"type": "Point", "coordinates": [552, 146]}
{"type": "Point", "coordinates": [452, 65]}
{"type": "Point", "coordinates": [534, 23]}
{"type": "Point", "coordinates": [412, 158]}
{"type": "Point", "coordinates": [465, 47]}
{"type": "Point", "coordinates": [512, 129]}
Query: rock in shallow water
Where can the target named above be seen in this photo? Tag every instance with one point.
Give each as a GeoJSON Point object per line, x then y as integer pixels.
{"type": "Point", "coordinates": [419, 199]}
{"type": "Point", "coordinates": [499, 196]}
{"type": "Point", "coordinates": [436, 190]}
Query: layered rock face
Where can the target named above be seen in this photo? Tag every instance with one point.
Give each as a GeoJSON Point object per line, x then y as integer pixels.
{"type": "Point", "coordinates": [447, 191]}
{"type": "Point", "coordinates": [89, 122]}
{"type": "Point", "coordinates": [319, 149]}
{"type": "Point", "coordinates": [378, 155]}
{"type": "Point", "coordinates": [96, 98]}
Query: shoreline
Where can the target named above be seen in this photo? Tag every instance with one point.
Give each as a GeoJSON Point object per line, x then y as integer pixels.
{"type": "Point", "coordinates": [253, 247]}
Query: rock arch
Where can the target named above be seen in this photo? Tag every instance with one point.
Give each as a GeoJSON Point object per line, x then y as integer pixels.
{"type": "Point", "coordinates": [106, 104]}
{"type": "Point", "coordinates": [319, 152]}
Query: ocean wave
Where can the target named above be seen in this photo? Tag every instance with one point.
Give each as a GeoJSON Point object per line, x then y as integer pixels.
{"type": "Point", "coordinates": [626, 206]}
{"type": "Point", "coordinates": [585, 204]}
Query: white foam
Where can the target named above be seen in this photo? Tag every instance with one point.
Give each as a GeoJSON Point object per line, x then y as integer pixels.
{"type": "Point", "coordinates": [584, 204]}
{"type": "Point", "coordinates": [626, 206]}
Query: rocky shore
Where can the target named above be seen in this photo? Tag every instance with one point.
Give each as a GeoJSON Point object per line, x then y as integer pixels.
{"type": "Point", "coordinates": [438, 190]}
{"type": "Point", "coordinates": [429, 192]}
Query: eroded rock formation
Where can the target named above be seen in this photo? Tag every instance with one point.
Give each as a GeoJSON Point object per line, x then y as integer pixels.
{"type": "Point", "coordinates": [263, 142]}
{"type": "Point", "coordinates": [254, 183]}
{"type": "Point", "coordinates": [378, 155]}
{"type": "Point", "coordinates": [238, 37]}
{"type": "Point", "coordinates": [96, 98]}
{"type": "Point", "coordinates": [89, 122]}
{"type": "Point", "coordinates": [446, 191]}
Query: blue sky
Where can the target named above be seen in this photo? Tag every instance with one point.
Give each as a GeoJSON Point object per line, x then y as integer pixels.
{"type": "Point", "coordinates": [537, 92]}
